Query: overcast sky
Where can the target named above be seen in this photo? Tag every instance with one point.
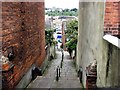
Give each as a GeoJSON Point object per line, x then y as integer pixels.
{"type": "Point", "coordinates": [61, 3]}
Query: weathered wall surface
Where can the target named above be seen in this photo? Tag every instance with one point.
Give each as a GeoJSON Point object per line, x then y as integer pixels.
{"type": "Point", "coordinates": [108, 75]}
{"type": "Point", "coordinates": [50, 54]}
{"type": "Point", "coordinates": [108, 68]}
{"type": "Point", "coordinates": [92, 46]}
{"type": "Point", "coordinates": [90, 34]}
{"type": "Point", "coordinates": [23, 33]}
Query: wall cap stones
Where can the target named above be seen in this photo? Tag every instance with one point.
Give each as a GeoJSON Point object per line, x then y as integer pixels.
{"type": "Point", "coordinates": [112, 39]}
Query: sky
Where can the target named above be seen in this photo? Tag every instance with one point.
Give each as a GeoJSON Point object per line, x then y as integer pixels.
{"type": "Point", "coordinates": [61, 3]}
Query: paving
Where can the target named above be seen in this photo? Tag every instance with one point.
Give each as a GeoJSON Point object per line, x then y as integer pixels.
{"type": "Point", "coordinates": [68, 77]}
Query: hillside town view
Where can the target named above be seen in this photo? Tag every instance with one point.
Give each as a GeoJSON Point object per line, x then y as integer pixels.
{"type": "Point", "coordinates": [60, 44]}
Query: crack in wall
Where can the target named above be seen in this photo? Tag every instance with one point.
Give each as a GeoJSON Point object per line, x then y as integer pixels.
{"type": "Point", "coordinates": [109, 59]}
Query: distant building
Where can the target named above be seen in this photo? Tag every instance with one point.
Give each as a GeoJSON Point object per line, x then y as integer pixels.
{"type": "Point", "coordinates": [59, 23]}
{"type": "Point", "coordinates": [63, 34]}
{"type": "Point", "coordinates": [67, 17]}
{"type": "Point", "coordinates": [47, 22]}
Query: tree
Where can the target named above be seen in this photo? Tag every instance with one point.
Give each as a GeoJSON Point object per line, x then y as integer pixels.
{"type": "Point", "coordinates": [71, 35]}
{"type": "Point", "coordinates": [63, 12]}
{"type": "Point", "coordinates": [49, 37]}
{"type": "Point", "coordinates": [74, 9]}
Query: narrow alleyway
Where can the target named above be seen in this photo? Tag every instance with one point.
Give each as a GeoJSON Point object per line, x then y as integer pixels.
{"type": "Point", "coordinates": [68, 77]}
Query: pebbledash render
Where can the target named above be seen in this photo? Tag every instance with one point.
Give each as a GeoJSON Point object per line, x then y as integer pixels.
{"type": "Point", "coordinates": [96, 21]}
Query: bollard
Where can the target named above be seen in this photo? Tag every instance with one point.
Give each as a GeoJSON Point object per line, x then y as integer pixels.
{"type": "Point", "coordinates": [62, 56]}
{"type": "Point", "coordinates": [80, 74]}
{"type": "Point", "coordinates": [61, 64]}
{"type": "Point", "coordinates": [57, 78]}
{"type": "Point", "coordinates": [59, 71]}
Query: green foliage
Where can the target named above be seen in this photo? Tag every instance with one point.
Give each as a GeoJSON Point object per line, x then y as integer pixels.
{"type": "Point", "coordinates": [74, 9]}
{"type": "Point", "coordinates": [72, 29]}
{"type": "Point", "coordinates": [71, 44]}
{"type": "Point", "coordinates": [59, 12]}
{"type": "Point", "coordinates": [71, 35]}
{"type": "Point", "coordinates": [49, 36]}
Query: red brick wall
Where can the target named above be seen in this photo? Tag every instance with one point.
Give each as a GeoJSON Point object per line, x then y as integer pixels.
{"type": "Point", "coordinates": [112, 18]}
{"type": "Point", "coordinates": [63, 35]}
{"type": "Point", "coordinates": [23, 30]}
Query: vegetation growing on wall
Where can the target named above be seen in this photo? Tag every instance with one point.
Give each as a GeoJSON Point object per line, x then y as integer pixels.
{"type": "Point", "coordinates": [49, 36]}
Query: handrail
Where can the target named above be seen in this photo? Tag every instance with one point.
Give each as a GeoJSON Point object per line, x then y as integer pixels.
{"type": "Point", "coordinates": [58, 68]}
{"type": "Point", "coordinates": [62, 59]}
{"type": "Point", "coordinates": [62, 56]}
{"type": "Point", "coordinates": [57, 73]}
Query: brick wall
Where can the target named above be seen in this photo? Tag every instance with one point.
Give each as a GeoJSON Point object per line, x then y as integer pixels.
{"type": "Point", "coordinates": [112, 18]}
{"type": "Point", "coordinates": [23, 33]}
{"type": "Point", "coordinates": [63, 35]}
